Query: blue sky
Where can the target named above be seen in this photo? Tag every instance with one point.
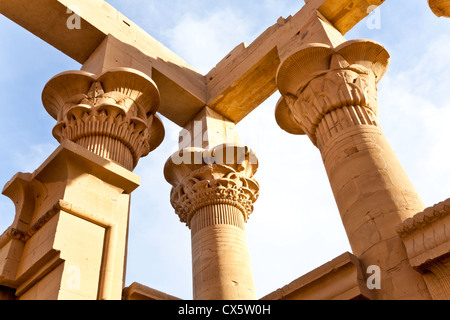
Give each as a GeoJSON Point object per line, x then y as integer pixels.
{"type": "Point", "coordinates": [295, 227]}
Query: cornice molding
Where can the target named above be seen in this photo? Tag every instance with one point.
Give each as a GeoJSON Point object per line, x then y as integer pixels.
{"type": "Point", "coordinates": [424, 219]}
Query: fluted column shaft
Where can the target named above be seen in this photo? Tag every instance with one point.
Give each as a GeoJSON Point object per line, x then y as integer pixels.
{"type": "Point", "coordinates": [221, 265]}
{"type": "Point", "coordinates": [215, 201]}
{"type": "Point", "coordinates": [373, 195]}
{"type": "Point", "coordinates": [330, 95]}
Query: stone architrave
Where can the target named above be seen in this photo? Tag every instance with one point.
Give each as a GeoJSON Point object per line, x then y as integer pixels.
{"type": "Point", "coordinates": [214, 195]}
{"type": "Point", "coordinates": [330, 94]}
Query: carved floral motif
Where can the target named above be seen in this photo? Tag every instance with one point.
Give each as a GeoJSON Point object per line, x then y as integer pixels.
{"type": "Point", "coordinates": [424, 219]}
{"type": "Point", "coordinates": [112, 115]}
{"type": "Point", "coordinates": [318, 79]}
{"type": "Point", "coordinates": [213, 182]}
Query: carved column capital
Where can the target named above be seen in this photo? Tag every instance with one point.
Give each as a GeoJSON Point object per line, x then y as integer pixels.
{"type": "Point", "coordinates": [202, 177]}
{"type": "Point", "coordinates": [112, 114]}
{"type": "Point", "coordinates": [440, 8]}
{"type": "Point", "coordinates": [318, 80]}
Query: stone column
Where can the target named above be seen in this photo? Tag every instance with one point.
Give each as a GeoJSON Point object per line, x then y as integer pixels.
{"type": "Point", "coordinates": [330, 94]}
{"type": "Point", "coordinates": [440, 8]}
{"type": "Point", "coordinates": [69, 236]}
{"type": "Point", "coordinates": [112, 115]}
{"type": "Point", "coordinates": [213, 193]}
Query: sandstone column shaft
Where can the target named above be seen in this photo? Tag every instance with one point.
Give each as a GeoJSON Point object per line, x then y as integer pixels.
{"type": "Point", "coordinates": [215, 200]}
{"type": "Point", "coordinates": [373, 195]}
{"type": "Point", "coordinates": [220, 259]}
{"type": "Point", "coordinates": [330, 94]}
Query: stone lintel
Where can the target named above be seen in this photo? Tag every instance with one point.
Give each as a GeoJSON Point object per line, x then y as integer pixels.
{"type": "Point", "coordinates": [246, 77]}
{"type": "Point", "coordinates": [236, 86]}
{"type": "Point", "coordinates": [183, 93]}
{"type": "Point", "coordinates": [48, 20]}
{"type": "Point", "coordinates": [340, 279]}
{"type": "Point", "coordinates": [345, 14]}
{"type": "Point", "coordinates": [137, 291]}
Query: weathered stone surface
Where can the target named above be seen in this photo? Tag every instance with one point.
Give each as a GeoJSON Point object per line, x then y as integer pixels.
{"type": "Point", "coordinates": [427, 241]}
{"type": "Point", "coordinates": [330, 94]}
{"type": "Point", "coordinates": [137, 291]}
{"type": "Point", "coordinates": [340, 279]}
{"type": "Point", "coordinates": [69, 236]}
{"type": "Point", "coordinates": [112, 114]}
{"type": "Point", "coordinates": [213, 193]}
{"type": "Point", "coordinates": [441, 8]}
{"type": "Point", "coordinates": [70, 241]}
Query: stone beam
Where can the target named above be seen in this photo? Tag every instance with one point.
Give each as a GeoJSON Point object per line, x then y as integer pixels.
{"type": "Point", "coordinates": [343, 278]}
{"type": "Point", "coordinates": [246, 76]}
{"type": "Point", "coordinates": [345, 14]}
{"type": "Point", "coordinates": [178, 102]}
{"type": "Point", "coordinates": [47, 19]}
{"type": "Point", "coordinates": [235, 87]}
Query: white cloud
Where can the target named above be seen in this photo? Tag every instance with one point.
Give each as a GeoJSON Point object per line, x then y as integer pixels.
{"type": "Point", "coordinates": [414, 114]}
{"type": "Point", "coordinates": [159, 245]}
{"type": "Point", "coordinates": [295, 227]}
{"type": "Point", "coordinates": [205, 40]}
{"type": "Point", "coordinates": [30, 160]}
